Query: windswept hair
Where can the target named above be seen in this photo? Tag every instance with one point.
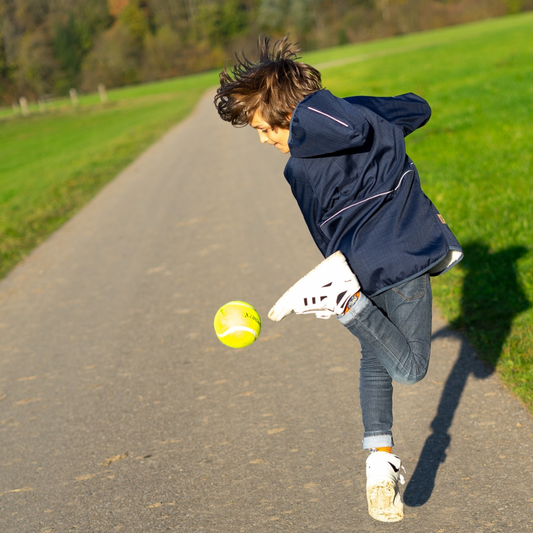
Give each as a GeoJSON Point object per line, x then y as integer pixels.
{"type": "Point", "coordinates": [274, 85]}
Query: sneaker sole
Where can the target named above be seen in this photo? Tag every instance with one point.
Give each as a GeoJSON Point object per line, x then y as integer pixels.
{"type": "Point", "coordinates": [381, 504]}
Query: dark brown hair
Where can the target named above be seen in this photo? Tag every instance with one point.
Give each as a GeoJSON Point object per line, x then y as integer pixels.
{"type": "Point", "coordinates": [274, 84]}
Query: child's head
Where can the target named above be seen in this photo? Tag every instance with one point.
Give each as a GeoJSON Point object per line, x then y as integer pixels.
{"type": "Point", "coordinates": [272, 86]}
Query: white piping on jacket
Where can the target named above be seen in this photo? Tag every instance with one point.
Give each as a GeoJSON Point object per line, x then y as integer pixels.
{"type": "Point", "coordinates": [329, 116]}
{"type": "Point", "coordinates": [368, 199]}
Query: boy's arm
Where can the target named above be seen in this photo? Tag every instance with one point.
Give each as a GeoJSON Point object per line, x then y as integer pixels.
{"type": "Point", "coordinates": [408, 111]}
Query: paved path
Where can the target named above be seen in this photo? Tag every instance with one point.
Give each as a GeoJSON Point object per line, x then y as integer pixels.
{"type": "Point", "coordinates": [121, 411]}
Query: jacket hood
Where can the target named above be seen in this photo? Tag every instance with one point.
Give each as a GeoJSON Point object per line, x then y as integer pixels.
{"type": "Point", "coordinates": [324, 124]}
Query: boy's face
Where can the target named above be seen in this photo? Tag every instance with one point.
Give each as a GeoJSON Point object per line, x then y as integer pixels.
{"type": "Point", "coordinates": [278, 137]}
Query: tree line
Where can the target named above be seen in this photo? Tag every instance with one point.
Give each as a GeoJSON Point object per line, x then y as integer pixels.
{"type": "Point", "coordinates": [50, 46]}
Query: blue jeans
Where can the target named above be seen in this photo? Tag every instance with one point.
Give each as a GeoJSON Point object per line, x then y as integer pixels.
{"type": "Point", "coordinates": [394, 330]}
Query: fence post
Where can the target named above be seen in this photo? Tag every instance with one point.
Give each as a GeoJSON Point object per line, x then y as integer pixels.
{"type": "Point", "coordinates": [24, 106]}
{"type": "Point", "coordinates": [103, 94]}
{"type": "Point", "coordinates": [74, 97]}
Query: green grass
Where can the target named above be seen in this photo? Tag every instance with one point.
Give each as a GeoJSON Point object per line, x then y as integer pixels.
{"type": "Point", "coordinates": [474, 158]}
{"type": "Point", "coordinates": [475, 161]}
{"type": "Point", "coordinates": [53, 163]}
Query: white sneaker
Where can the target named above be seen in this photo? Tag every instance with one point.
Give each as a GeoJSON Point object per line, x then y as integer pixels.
{"type": "Point", "coordinates": [324, 291]}
{"type": "Point", "coordinates": [382, 491]}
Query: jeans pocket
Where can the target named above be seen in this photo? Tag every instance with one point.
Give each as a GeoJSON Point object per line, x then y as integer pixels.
{"type": "Point", "coordinates": [413, 289]}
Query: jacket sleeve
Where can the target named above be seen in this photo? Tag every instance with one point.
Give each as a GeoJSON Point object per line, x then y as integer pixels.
{"type": "Point", "coordinates": [408, 111]}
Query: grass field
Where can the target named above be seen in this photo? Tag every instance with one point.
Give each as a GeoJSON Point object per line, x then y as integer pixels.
{"type": "Point", "coordinates": [474, 158]}
{"type": "Point", "coordinates": [53, 163]}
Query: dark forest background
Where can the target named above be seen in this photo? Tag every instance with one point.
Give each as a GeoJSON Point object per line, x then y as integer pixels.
{"type": "Point", "coordinates": [50, 46]}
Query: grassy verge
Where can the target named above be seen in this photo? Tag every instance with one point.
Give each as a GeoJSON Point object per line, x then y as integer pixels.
{"type": "Point", "coordinates": [475, 161]}
{"type": "Point", "coordinates": [51, 164]}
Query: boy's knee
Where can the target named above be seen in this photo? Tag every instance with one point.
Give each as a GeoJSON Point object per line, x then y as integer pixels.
{"type": "Point", "coordinates": [410, 379]}
{"type": "Point", "coordinates": [413, 372]}
{"type": "Point", "coordinates": [415, 368]}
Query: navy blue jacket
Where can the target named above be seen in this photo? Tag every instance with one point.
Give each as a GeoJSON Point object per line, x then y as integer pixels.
{"type": "Point", "coordinates": [360, 193]}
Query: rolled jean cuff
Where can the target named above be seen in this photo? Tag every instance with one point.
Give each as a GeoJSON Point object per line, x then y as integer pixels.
{"type": "Point", "coordinates": [377, 441]}
{"type": "Point", "coordinates": [354, 311]}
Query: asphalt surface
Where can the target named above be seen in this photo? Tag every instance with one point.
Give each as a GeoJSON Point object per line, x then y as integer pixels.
{"type": "Point", "coordinates": [121, 410]}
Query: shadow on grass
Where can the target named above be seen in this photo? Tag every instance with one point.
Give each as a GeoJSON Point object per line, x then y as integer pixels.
{"type": "Point", "coordinates": [491, 298]}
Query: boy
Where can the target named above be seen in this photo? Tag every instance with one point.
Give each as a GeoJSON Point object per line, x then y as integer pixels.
{"type": "Point", "coordinates": [361, 198]}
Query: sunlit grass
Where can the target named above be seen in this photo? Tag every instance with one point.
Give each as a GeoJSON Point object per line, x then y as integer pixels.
{"type": "Point", "coordinates": [52, 163]}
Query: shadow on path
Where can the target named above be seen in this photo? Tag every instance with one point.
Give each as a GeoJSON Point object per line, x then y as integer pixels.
{"type": "Point", "coordinates": [492, 297]}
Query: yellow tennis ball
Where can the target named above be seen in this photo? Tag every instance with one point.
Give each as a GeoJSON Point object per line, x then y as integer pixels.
{"type": "Point", "coordinates": [237, 324]}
